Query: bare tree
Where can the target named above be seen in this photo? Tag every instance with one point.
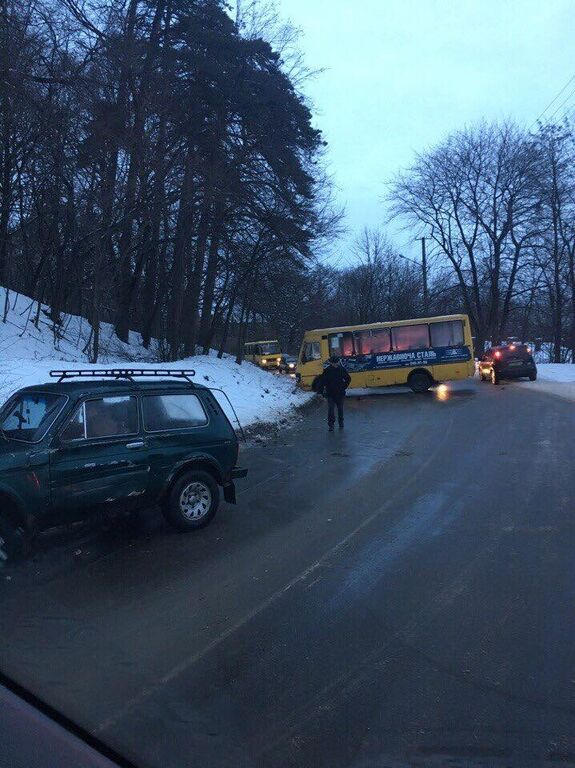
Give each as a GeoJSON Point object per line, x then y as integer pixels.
{"type": "Point", "coordinates": [473, 197]}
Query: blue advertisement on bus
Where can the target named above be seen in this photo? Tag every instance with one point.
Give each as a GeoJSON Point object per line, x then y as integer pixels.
{"type": "Point", "coordinates": [408, 359]}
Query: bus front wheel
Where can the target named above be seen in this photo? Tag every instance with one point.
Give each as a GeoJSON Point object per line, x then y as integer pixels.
{"type": "Point", "coordinates": [419, 381]}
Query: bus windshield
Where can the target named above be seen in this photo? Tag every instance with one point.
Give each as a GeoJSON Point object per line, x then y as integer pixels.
{"type": "Point", "coordinates": [270, 348]}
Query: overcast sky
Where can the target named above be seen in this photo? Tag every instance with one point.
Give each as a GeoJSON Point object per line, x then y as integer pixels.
{"type": "Point", "coordinates": [401, 74]}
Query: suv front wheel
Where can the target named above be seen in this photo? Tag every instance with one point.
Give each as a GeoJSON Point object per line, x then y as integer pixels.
{"type": "Point", "coordinates": [193, 501]}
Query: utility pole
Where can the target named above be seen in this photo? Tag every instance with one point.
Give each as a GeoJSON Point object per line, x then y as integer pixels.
{"type": "Point", "coordinates": [238, 14]}
{"type": "Point", "coordinates": [424, 272]}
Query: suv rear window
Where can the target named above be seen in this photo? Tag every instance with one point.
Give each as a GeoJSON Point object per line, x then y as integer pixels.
{"type": "Point", "coordinates": [169, 412]}
{"type": "Point", "coordinates": [516, 350]}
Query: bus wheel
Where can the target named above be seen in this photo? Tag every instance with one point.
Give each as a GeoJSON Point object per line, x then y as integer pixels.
{"type": "Point", "coordinates": [419, 381]}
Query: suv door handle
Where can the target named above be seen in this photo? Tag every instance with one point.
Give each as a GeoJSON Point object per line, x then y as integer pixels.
{"type": "Point", "coordinates": [135, 445]}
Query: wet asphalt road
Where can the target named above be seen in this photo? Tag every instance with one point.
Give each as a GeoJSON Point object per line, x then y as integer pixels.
{"type": "Point", "coordinates": [399, 594]}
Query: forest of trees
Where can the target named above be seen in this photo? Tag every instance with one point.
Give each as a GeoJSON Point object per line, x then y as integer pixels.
{"type": "Point", "coordinates": [160, 170]}
{"type": "Point", "coordinates": [159, 167]}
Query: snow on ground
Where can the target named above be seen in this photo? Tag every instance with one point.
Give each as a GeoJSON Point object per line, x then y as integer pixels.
{"type": "Point", "coordinates": [21, 340]}
{"type": "Point", "coordinates": [28, 354]}
{"type": "Point", "coordinates": [556, 379]}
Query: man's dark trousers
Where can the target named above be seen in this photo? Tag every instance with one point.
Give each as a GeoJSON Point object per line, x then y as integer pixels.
{"type": "Point", "coordinates": [332, 403]}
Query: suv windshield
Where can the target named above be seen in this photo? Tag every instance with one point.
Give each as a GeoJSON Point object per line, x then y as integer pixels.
{"type": "Point", "coordinates": [28, 416]}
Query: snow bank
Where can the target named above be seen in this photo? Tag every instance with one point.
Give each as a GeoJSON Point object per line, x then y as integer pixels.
{"type": "Point", "coordinates": [27, 354]}
{"type": "Point", "coordinates": [556, 379]}
{"type": "Point", "coordinates": [560, 372]}
{"type": "Point", "coordinates": [21, 340]}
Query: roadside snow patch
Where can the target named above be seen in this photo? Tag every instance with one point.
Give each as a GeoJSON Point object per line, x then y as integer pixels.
{"type": "Point", "coordinates": [556, 379]}
{"type": "Point", "coordinates": [27, 354]}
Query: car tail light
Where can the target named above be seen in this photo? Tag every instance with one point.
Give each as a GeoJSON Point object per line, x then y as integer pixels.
{"type": "Point", "coordinates": [498, 354]}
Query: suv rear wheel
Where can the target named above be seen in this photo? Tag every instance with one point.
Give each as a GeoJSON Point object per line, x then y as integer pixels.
{"type": "Point", "coordinates": [193, 501]}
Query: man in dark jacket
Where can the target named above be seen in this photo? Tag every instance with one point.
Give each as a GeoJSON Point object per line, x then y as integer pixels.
{"type": "Point", "coordinates": [332, 384]}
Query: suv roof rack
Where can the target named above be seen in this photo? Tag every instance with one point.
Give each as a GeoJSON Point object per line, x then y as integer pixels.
{"type": "Point", "coordinates": [125, 373]}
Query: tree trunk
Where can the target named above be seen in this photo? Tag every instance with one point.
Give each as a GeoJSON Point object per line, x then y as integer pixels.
{"type": "Point", "coordinates": [178, 276]}
{"type": "Point", "coordinates": [211, 274]}
{"type": "Point", "coordinates": [137, 145]}
{"type": "Point", "coordinates": [195, 279]}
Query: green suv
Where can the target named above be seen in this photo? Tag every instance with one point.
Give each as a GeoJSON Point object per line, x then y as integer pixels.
{"type": "Point", "coordinates": [73, 448]}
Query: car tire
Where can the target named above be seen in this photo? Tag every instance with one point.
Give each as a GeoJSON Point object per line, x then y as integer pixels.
{"type": "Point", "coordinates": [193, 501]}
{"type": "Point", "coordinates": [13, 542]}
{"type": "Point", "coordinates": [419, 382]}
{"type": "Point", "coordinates": [494, 376]}
{"type": "Point", "coordinates": [532, 377]}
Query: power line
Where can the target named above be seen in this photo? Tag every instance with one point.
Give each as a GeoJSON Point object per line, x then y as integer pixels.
{"type": "Point", "coordinates": [562, 105]}
{"type": "Point", "coordinates": [567, 84]}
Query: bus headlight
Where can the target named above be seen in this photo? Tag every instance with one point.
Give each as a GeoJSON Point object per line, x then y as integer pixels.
{"type": "Point", "coordinates": [264, 361]}
{"type": "Point", "coordinates": [278, 360]}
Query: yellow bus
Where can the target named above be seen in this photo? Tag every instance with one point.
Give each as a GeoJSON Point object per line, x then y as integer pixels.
{"type": "Point", "coordinates": [266, 354]}
{"type": "Point", "coordinates": [419, 353]}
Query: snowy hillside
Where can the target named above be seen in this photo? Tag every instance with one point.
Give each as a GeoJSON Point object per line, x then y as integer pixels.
{"type": "Point", "coordinates": [27, 354]}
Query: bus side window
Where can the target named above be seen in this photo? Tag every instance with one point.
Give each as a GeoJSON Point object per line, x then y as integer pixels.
{"type": "Point", "coordinates": [341, 344]}
{"type": "Point", "coordinates": [408, 337]}
{"type": "Point", "coordinates": [372, 342]}
{"type": "Point", "coordinates": [362, 340]}
{"type": "Point", "coordinates": [448, 333]}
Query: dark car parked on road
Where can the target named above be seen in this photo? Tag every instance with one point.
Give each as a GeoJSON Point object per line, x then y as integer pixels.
{"type": "Point", "coordinates": [288, 364]}
{"type": "Point", "coordinates": [513, 361]}
{"type": "Point", "coordinates": [74, 447]}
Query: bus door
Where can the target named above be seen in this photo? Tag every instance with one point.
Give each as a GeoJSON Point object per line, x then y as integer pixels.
{"type": "Point", "coordinates": [454, 358]}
